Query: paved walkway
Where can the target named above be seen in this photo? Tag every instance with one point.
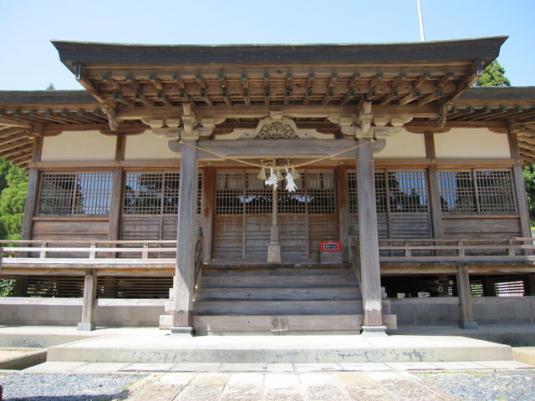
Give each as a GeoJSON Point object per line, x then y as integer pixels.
{"type": "Point", "coordinates": [313, 386]}
{"type": "Point", "coordinates": [421, 381]}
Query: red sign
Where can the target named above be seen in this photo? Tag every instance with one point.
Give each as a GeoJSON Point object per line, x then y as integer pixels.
{"type": "Point", "coordinates": [330, 246]}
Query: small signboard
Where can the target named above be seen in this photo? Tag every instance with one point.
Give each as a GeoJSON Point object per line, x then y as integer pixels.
{"type": "Point", "coordinates": [331, 252]}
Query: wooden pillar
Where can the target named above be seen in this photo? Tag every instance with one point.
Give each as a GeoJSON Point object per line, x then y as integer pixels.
{"type": "Point", "coordinates": [369, 240]}
{"type": "Point", "coordinates": [184, 285]}
{"type": "Point", "coordinates": [89, 303]}
{"type": "Point", "coordinates": [208, 201]}
{"type": "Point", "coordinates": [274, 248]}
{"type": "Point", "coordinates": [435, 204]}
{"type": "Point", "coordinates": [116, 198]}
{"type": "Point", "coordinates": [33, 191]}
{"type": "Point", "coordinates": [531, 285]}
{"type": "Point", "coordinates": [465, 299]}
{"type": "Point", "coordinates": [489, 287]}
{"type": "Point", "coordinates": [343, 208]}
{"type": "Point", "coordinates": [520, 186]}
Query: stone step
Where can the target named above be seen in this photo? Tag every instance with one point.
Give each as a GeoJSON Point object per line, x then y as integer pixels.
{"type": "Point", "coordinates": [277, 307]}
{"type": "Point", "coordinates": [277, 324]}
{"type": "Point", "coordinates": [285, 281]}
{"type": "Point", "coordinates": [271, 271]}
{"type": "Point", "coordinates": [281, 294]}
{"type": "Point", "coordinates": [133, 345]}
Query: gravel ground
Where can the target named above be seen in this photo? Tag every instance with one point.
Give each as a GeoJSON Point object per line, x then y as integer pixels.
{"type": "Point", "coordinates": [66, 387]}
{"type": "Point", "coordinates": [500, 385]}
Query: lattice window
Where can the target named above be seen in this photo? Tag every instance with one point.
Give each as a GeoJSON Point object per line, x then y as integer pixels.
{"type": "Point", "coordinates": [230, 193]}
{"type": "Point", "coordinates": [477, 192]}
{"type": "Point", "coordinates": [86, 194]}
{"type": "Point", "coordinates": [495, 192]}
{"type": "Point", "coordinates": [407, 191]}
{"type": "Point", "coordinates": [320, 192]}
{"type": "Point", "coordinates": [242, 192]}
{"type": "Point", "coordinates": [154, 193]}
{"type": "Point", "coordinates": [257, 197]}
{"type": "Point", "coordinates": [381, 202]}
{"type": "Point", "coordinates": [457, 191]}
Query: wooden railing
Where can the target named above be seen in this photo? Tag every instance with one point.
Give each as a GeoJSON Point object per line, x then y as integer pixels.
{"type": "Point", "coordinates": [79, 253]}
{"type": "Point", "coordinates": [198, 259]}
{"type": "Point", "coordinates": [457, 250]}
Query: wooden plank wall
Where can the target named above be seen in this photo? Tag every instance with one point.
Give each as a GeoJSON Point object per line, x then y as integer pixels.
{"type": "Point", "coordinates": [70, 229]}
{"type": "Point", "coordinates": [481, 227]}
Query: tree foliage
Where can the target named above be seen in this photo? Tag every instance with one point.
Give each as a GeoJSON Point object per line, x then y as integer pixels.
{"type": "Point", "coordinates": [13, 188]}
{"type": "Point", "coordinates": [494, 75]}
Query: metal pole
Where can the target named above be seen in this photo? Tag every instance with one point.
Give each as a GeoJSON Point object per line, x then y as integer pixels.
{"type": "Point", "coordinates": [420, 21]}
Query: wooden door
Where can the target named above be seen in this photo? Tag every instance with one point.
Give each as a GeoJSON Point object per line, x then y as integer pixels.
{"type": "Point", "coordinates": [242, 219]}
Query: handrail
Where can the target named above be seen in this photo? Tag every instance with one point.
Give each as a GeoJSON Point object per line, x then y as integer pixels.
{"type": "Point", "coordinates": [198, 258]}
{"type": "Point", "coordinates": [46, 251]}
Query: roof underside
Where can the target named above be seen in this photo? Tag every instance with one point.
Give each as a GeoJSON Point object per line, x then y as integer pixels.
{"type": "Point", "coordinates": [134, 80]}
{"type": "Point", "coordinates": [130, 76]}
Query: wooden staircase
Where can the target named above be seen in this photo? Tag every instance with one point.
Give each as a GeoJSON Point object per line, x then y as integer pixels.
{"type": "Point", "coordinates": [277, 300]}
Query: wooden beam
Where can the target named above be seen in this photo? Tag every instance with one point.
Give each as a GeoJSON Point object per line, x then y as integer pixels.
{"type": "Point", "coordinates": [259, 111]}
{"type": "Point", "coordinates": [245, 88]}
{"type": "Point", "coordinates": [330, 88]}
{"type": "Point", "coordinates": [81, 76]}
{"type": "Point", "coordinates": [224, 89]}
{"type": "Point", "coordinates": [309, 88]}
{"type": "Point", "coordinates": [251, 148]}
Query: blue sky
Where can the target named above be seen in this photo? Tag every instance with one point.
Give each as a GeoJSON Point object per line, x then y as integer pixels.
{"type": "Point", "coordinates": [28, 61]}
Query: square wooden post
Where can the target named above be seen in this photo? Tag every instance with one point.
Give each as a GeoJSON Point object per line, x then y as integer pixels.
{"type": "Point", "coordinates": [89, 303]}
{"type": "Point", "coordinates": [465, 299]}
{"type": "Point", "coordinates": [369, 240]}
{"type": "Point", "coordinates": [184, 285]}
{"type": "Point", "coordinates": [520, 186]}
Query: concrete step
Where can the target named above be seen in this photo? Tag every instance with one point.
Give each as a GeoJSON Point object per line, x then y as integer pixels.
{"type": "Point", "coordinates": [277, 324]}
{"type": "Point", "coordinates": [277, 307]}
{"type": "Point", "coordinates": [130, 345]}
{"type": "Point", "coordinates": [278, 294]}
{"type": "Point", "coordinates": [284, 281]}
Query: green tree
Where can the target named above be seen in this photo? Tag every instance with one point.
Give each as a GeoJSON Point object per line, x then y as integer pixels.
{"type": "Point", "coordinates": [50, 87]}
{"type": "Point", "coordinates": [13, 188]}
{"type": "Point", "coordinates": [12, 200]}
{"type": "Point", "coordinates": [529, 178]}
{"type": "Point", "coordinates": [494, 75]}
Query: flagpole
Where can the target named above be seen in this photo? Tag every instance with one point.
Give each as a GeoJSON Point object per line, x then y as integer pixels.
{"type": "Point", "coordinates": [420, 21]}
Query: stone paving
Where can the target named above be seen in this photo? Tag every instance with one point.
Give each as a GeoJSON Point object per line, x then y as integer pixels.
{"type": "Point", "coordinates": [312, 386]}
{"type": "Point", "coordinates": [437, 381]}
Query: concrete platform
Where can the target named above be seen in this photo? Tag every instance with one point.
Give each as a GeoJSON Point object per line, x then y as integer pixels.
{"type": "Point", "coordinates": [154, 346]}
{"type": "Point", "coordinates": [525, 355]}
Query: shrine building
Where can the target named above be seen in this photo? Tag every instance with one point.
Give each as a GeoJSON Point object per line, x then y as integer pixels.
{"type": "Point", "coordinates": [272, 188]}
